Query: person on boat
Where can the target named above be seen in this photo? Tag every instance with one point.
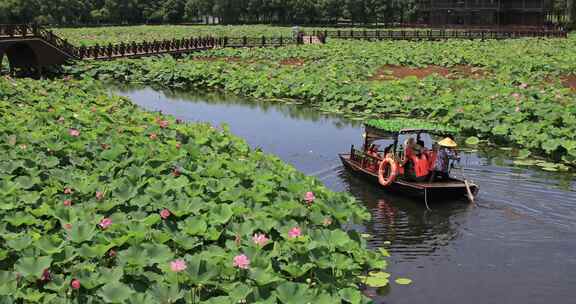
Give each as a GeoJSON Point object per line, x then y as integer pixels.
{"type": "Point", "coordinates": [416, 165]}
{"type": "Point", "coordinates": [373, 151]}
{"type": "Point", "coordinates": [446, 151]}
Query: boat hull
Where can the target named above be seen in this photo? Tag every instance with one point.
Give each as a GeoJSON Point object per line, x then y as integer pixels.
{"type": "Point", "coordinates": [436, 191]}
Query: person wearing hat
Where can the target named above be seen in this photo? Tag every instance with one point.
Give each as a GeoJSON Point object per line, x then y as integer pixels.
{"type": "Point", "coordinates": [444, 152]}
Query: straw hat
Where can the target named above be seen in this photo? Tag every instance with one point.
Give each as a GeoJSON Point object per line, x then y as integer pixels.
{"type": "Point", "coordinates": [448, 143]}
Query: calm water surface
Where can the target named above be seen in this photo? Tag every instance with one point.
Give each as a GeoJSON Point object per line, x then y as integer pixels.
{"type": "Point", "coordinates": [518, 246]}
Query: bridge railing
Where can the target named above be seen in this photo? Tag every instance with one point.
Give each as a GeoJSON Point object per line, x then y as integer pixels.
{"type": "Point", "coordinates": [439, 34]}
{"type": "Point", "coordinates": [136, 49]}
{"type": "Point", "coordinates": [17, 30]}
{"type": "Point", "coordinates": [256, 41]}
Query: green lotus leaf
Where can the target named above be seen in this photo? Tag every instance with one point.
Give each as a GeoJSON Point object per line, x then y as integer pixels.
{"type": "Point", "coordinates": [26, 182]}
{"type": "Point", "coordinates": [263, 277]}
{"type": "Point", "coordinates": [8, 282]}
{"type": "Point", "coordinates": [8, 187]}
{"type": "Point", "coordinates": [134, 255]}
{"type": "Point", "coordinates": [125, 191]}
{"type": "Point", "coordinates": [158, 253]}
{"type": "Point", "coordinates": [472, 141]}
{"type": "Point", "coordinates": [294, 293]}
{"type": "Point", "coordinates": [50, 245]}
{"type": "Point", "coordinates": [351, 295]}
{"type": "Point", "coordinates": [164, 293]}
{"type": "Point", "coordinates": [239, 292]}
{"type": "Point", "coordinates": [30, 198]}
{"type": "Point", "coordinates": [115, 292]}
{"type": "Point", "coordinates": [33, 267]}
{"type": "Point", "coordinates": [194, 226]}
{"type": "Point", "coordinates": [523, 154]}
{"type": "Point", "coordinates": [113, 153]}
{"type": "Point", "coordinates": [51, 161]}
{"type": "Point", "coordinates": [403, 281]}
{"type": "Point", "coordinates": [21, 218]}
{"type": "Point", "coordinates": [82, 232]}
{"type": "Point", "coordinates": [297, 270]}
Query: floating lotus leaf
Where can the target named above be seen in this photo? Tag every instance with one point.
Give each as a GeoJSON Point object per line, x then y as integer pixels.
{"type": "Point", "coordinates": [472, 141]}
{"type": "Point", "coordinates": [403, 281]}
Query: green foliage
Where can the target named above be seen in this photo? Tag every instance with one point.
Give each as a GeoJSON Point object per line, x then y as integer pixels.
{"type": "Point", "coordinates": [223, 11]}
{"type": "Point", "coordinates": [399, 124]}
{"type": "Point", "coordinates": [519, 99]}
{"type": "Point", "coordinates": [127, 166]}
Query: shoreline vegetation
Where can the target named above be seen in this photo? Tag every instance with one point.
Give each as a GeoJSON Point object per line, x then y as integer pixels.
{"type": "Point", "coordinates": [106, 202]}
{"type": "Point", "coordinates": [513, 93]}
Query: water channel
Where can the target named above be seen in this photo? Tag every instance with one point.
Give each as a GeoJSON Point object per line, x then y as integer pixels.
{"type": "Point", "coordinates": [518, 246]}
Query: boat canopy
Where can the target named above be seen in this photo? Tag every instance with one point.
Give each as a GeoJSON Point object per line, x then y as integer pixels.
{"type": "Point", "coordinates": [384, 128]}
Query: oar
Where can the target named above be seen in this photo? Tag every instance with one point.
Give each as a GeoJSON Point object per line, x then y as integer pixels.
{"type": "Point", "coordinates": [467, 184]}
{"type": "Point", "coordinates": [470, 195]}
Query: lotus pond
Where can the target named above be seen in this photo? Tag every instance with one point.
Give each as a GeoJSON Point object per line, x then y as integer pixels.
{"type": "Point", "coordinates": [104, 203]}
{"type": "Point", "coordinates": [508, 93]}
{"type": "Point", "coordinates": [516, 247]}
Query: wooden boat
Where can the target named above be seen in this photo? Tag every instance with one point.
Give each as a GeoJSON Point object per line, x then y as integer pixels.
{"type": "Point", "coordinates": [368, 165]}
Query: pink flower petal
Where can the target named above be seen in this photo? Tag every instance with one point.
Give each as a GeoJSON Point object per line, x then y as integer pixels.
{"type": "Point", "coordinates": [241, 261]}
{"type": "Point", "coordinates": [178, 265]}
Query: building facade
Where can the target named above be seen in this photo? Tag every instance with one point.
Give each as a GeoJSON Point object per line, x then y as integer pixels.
{"type": "Point", "coordinates": [483, 12]}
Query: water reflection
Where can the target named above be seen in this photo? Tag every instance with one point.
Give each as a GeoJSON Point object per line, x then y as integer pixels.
{"type": "Point", "coordinates": [412, 230]}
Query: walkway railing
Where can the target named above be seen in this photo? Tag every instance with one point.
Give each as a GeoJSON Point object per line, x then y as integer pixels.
{"type": "Point", "coordinates": [441, 34]}
{"type": "Point", "coordinates": [138, 49]}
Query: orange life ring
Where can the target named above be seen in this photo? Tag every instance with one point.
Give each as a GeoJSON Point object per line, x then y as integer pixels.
{"type": "Point", "coordinates": [392, 171]}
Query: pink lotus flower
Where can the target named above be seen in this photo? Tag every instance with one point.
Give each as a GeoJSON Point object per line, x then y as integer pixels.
{"type": "Point", "coordinates": [153, 136]}
{"type": "Point", "coordinates": [164, 214]}
{"type": "Point", "coordinates": [178, 265]}
{"type": "Point", "coordinates": [68, 191]}
{"type": "Point", "coordinates": [260, 239]}
{"type": "Point", "coordinates": [163, 124]}
{"type": "Point", "coordinates": [105, 223]}
{"type": "Point", "coordinates": [99, 195]}
{"type": "Point", "coordinates": [46, 275]}
{"type": "Point", "coordinates": [294, 232]}
{"type": "Point", "coordinates": [178, 145]}
{"type": "Point", "coordinates": [67, 226]}
{"type": "Point", "coordinates": [67, 203]}
{"type": "Point", "coordinates": [309, 197]}
{"type": "Point", "coordinates": [516, 96]}
{"type": "Point", "coordinates": [241, 261]}
{"type": "Point", "coordinates": [74, 132]}
{"type": "Point", "coordinates": [175, 172]}
{"type": "Point", "coordinates": [75, 284]}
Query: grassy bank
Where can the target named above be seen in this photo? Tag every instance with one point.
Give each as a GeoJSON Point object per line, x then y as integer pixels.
{"type": "Point", "coordinates": [509, 92]}
{"type": "Point", "coordinates": [102, 202]}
